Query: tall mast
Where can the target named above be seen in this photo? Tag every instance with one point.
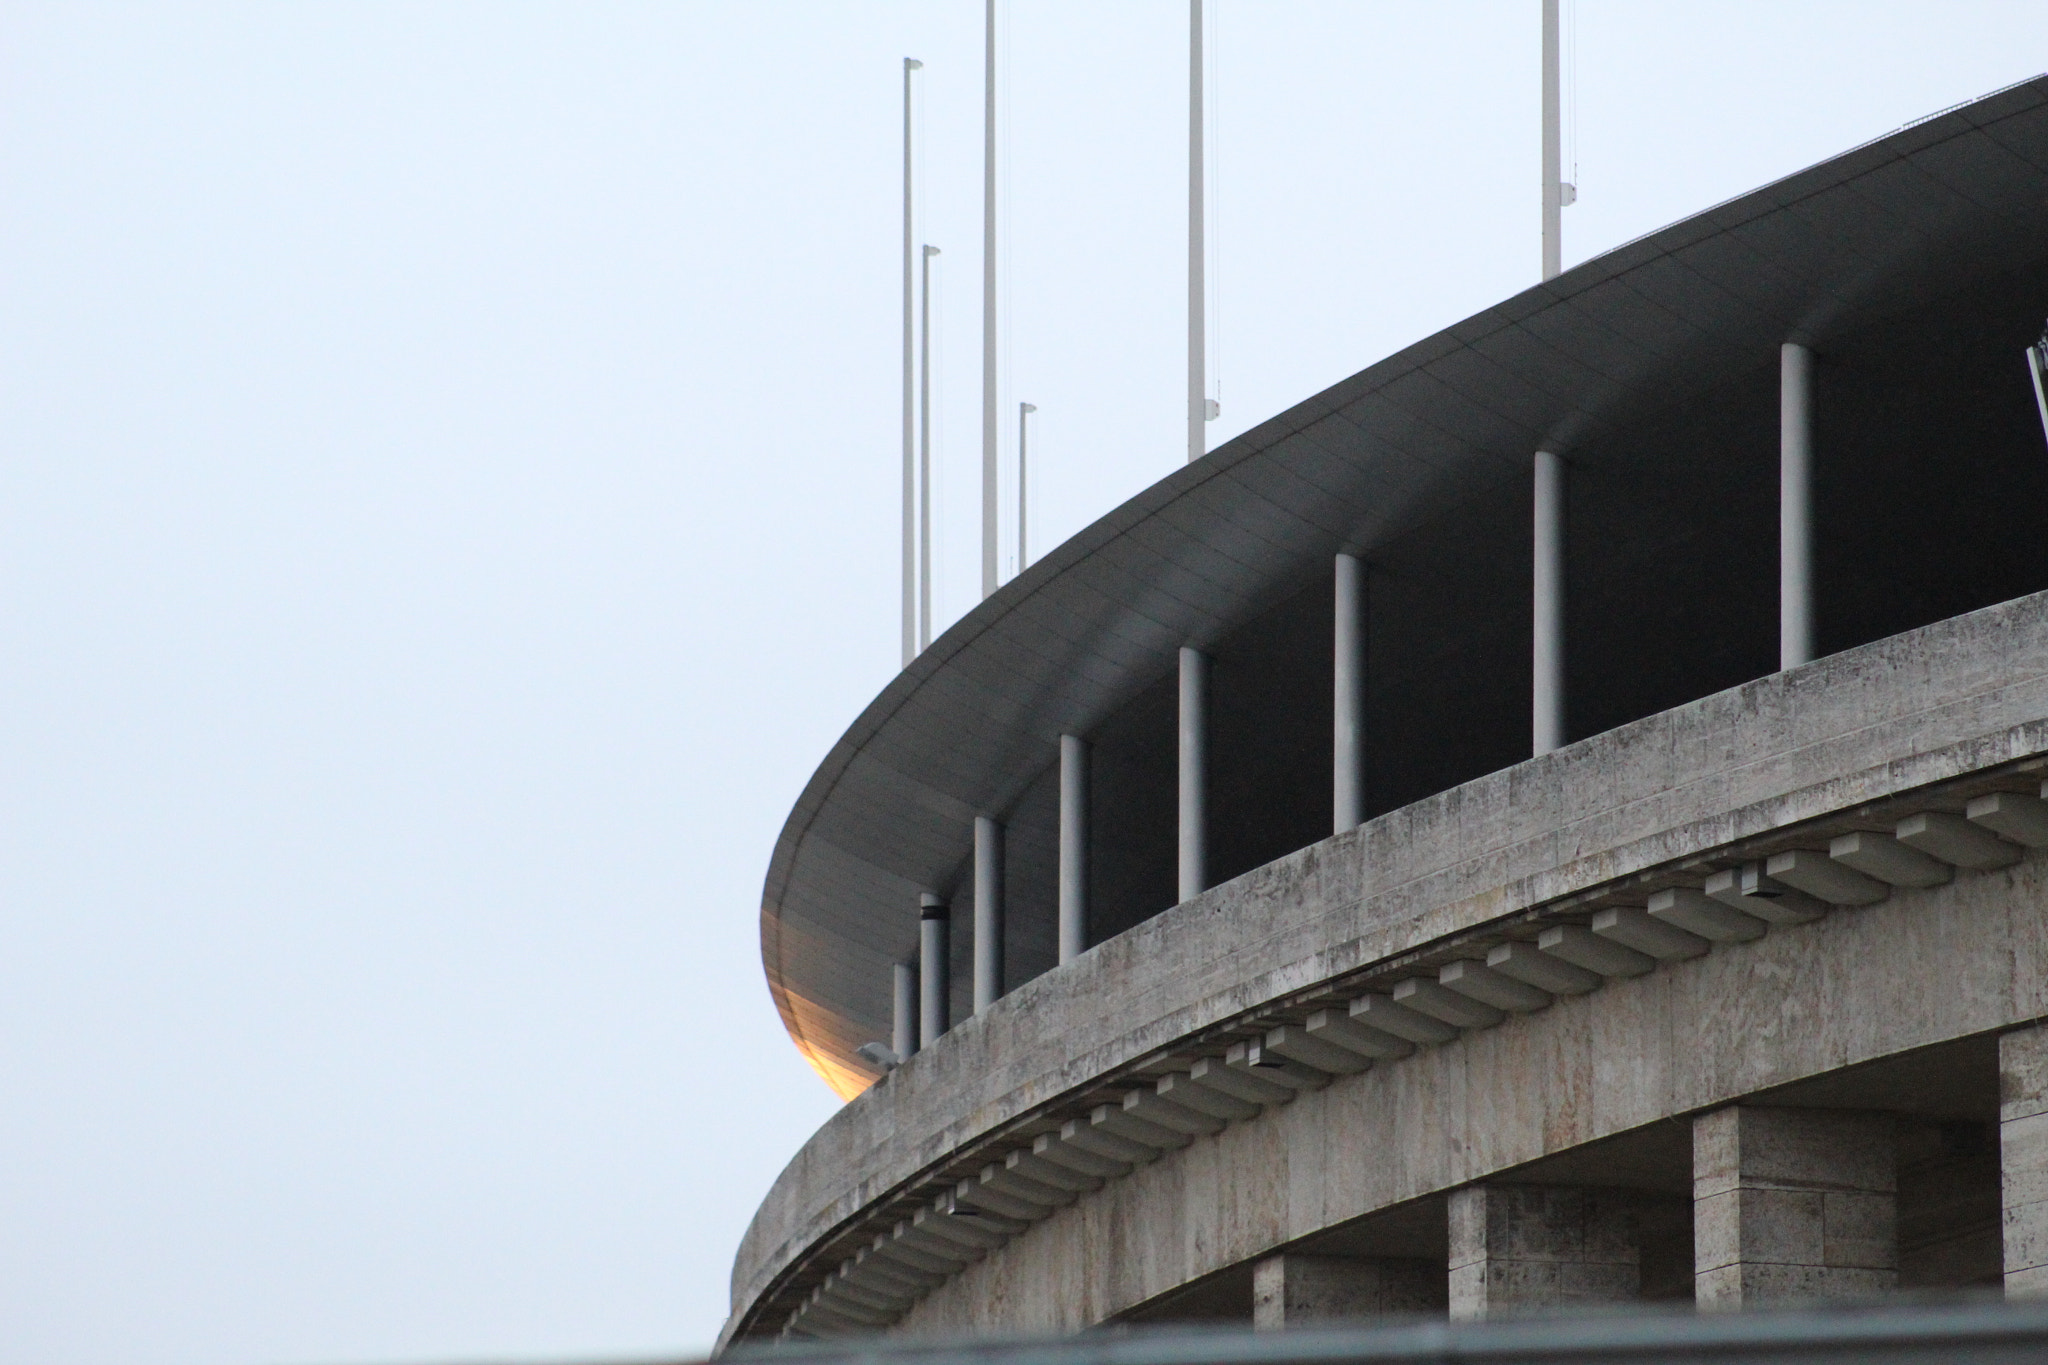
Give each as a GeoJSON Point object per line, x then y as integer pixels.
{"type": "Point", "coordinates": [1553, 150]}
{"type": "Point", "coordinates": [1198, 366]}
{"type": "Point", "coordinates": [988, 311]}
{"type": "Point", "coordinates": [910, 64]}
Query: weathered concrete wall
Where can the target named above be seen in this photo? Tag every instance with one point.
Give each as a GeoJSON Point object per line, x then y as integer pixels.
{"type": "Point", "coordinates": [1922, 967]}
{"type": "Point", "coordinates": [1953, 698]}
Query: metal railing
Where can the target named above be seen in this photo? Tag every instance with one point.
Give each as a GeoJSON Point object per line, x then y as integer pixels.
{"type": "Point", "coordinates": [1949, 1333]}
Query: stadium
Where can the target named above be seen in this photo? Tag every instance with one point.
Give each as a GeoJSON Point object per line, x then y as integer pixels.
{"type": "Point", "coordinates": [1556, 818]}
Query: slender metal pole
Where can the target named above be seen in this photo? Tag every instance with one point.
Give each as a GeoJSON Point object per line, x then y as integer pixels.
{"type": "Point", "coordinates": [1347, 767]}
{"type": "Point", "coordinates": [910, 64]}
{"type": "Point", "coordinates": [988, 912]}
{"type": "Point", "coordinates": [1024, 410]}
{"type": "Point", "coordinates": [924, 475]}
{"type": "Point", "coordinates": [1795, 505]}
{"type": "Point", "coordinates": [903, 1036]}
{"type": "Point", "coordinates": [1073, 847]}
{"type": "Point", "coordinates": [1193, 860]}
{"type": "Point", "coordinates": [1547, 674]}
{"type": "Point", "coordinates": [988, 312]}
{"type": "Point", "coordinates": [935, 969]}
{"type": "Point", "coordinates": [1553, 150]}
{"type": "Point", "coordinates": [1198, 363]}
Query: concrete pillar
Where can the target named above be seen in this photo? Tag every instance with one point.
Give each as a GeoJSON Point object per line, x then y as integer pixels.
{"type": "Point", "coordinates": [1546, 699]}
{"type": "Point", "coordinates": [2023, 1159]}
{"type": "Point", "coordinates": [1793, 1206]}
{"type": "Point", "coordinates": [1795, 505]}
{"type": "Point", "coordinates": [1517, 1247]}
{"type": "Point", "coordinates": [1304, 1291]}
{"type": "Point", "coordinates": [1073, 847]}
{"type": "Point", "coordinates": [1347, 767]}
{"type": "Point", "coordinates": [988, 912]}
{"type": "Point", "coordinates": [1194, 774]}
{"type": "Point", "coordinates": [903, 1033]}
{"type": "Point", "coordinates": [934, 969]}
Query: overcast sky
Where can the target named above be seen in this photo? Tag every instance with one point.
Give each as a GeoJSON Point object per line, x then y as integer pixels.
{"type": "Point", "coordinates": [448, 462]}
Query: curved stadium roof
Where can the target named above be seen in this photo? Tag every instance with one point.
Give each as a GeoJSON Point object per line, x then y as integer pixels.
{"type": "Point", "coordinates": [1643, 357]}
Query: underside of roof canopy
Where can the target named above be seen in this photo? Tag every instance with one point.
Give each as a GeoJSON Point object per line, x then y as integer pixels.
{"type": "Point", "coordinates": [1916, 266]}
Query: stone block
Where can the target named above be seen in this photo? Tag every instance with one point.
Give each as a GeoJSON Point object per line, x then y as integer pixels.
{"type": "Point", "coordinates": [1793, 1206]}
{"type": "Point", "coordinates": [1518, 1247]}
{"type": "Point", "coordinates": [1293, 1290]}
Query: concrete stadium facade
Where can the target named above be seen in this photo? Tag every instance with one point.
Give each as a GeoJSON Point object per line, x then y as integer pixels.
{"type": "Point", "coordinates": [1557, 817]}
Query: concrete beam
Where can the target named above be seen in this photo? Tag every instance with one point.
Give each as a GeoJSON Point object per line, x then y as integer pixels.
{"type": "Point", "coordinates": [1521, 1247]}
{"type": "Point", "coordinates": [2012, 815]}
{"type": "Point", "coordinates": [1823, 878]}
{"type": "Point", "coordinates": [1793, 1206]}
{"type": "Point", "coordinates": [1698, 913]}
{"type": "Point", "coordinates": [1749, 890]}
{"type": "Point", "coordinates": [1581, 947]}
{"type": "Point", "coordinates": [1438, 1001]}
{"type": "Point", "coordinates": [1057, 1150]}
{"type": "Point", "coordinates": [1477, 981]}
{"type": "Point", "coordinates": [1004, 1179]}
{"type": "Point", "coordinates": [1211, 1073]}
{"type": "Point", "coordinates": [1381, 1013]}
{"type": "Point", "coordinates": [973, 1194]}
{"type": "Point", "coordinates": [1885, 858]}
{"type": "Point", "coordinates": [969, 1225]}
{"type": "Point", "coordinates": [914, 1240]}
{"type": "Point", "coordinates": [1120, 1122]}
{"type": "Point", "coordinates": [1290, 1041]}
{"type": "Point", "coordinates": [1954, 839]}
{"type": "Point", "coordinates": [1089, 1136]}
{"type": "Point", "coordinates": [1034, 1167]}
{"type": "Point", "coordinates": [1653, 937]}
{"type": "Point", "coordinates": [1227, 1105]}
{"type": "Point", "coordinates": [1252, 1059]}
{"type": "Point", "coordinates": [1340, 1028]}
{"type": "Point", "coordinates": [1527, 963]}
{"type": "Point", "coordinates": [1161, 1112]}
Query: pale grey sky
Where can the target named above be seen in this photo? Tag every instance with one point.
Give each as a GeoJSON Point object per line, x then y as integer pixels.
{"type": "Point", "coordinates": [447, 509]}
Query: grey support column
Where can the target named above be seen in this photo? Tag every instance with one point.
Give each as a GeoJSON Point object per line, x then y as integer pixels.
{"type": "Point", "coordinates": [934, 969]}
{"type": "Point", "coordinates": [1193, 861]}
{"type": "Point", "coordinates": [1795, 505]}
{"type": "Point", "coordinates": [988, 912]}
{"type": "Point", "coordinates": [2023, 1159]}
{"type": "Point", "coordinates": [1347, 765]}
{"type": "Point", "coordinates": [1792, 1206]}
{"type": "Point", "coordinates": [1546, 700]}
{"type": "Point", "coordinates": [1517, 1247]}
{"type": "Point", "coordinates": [1304, 1291]}
{"type": "Point", "coordinates": [903, 1036]}
{"type": "Point", "coordinates": [1073, 847]}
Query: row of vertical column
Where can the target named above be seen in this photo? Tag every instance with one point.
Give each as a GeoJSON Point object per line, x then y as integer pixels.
{"type": "Point", "coordinates": [1547, 717]}
{"type": "Point", "coordinates": [1795, 552]}
{"type": "Point", "coordinates": [921, 1013]}
{"type": "Point", "coordinates": [1789, 1207]}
